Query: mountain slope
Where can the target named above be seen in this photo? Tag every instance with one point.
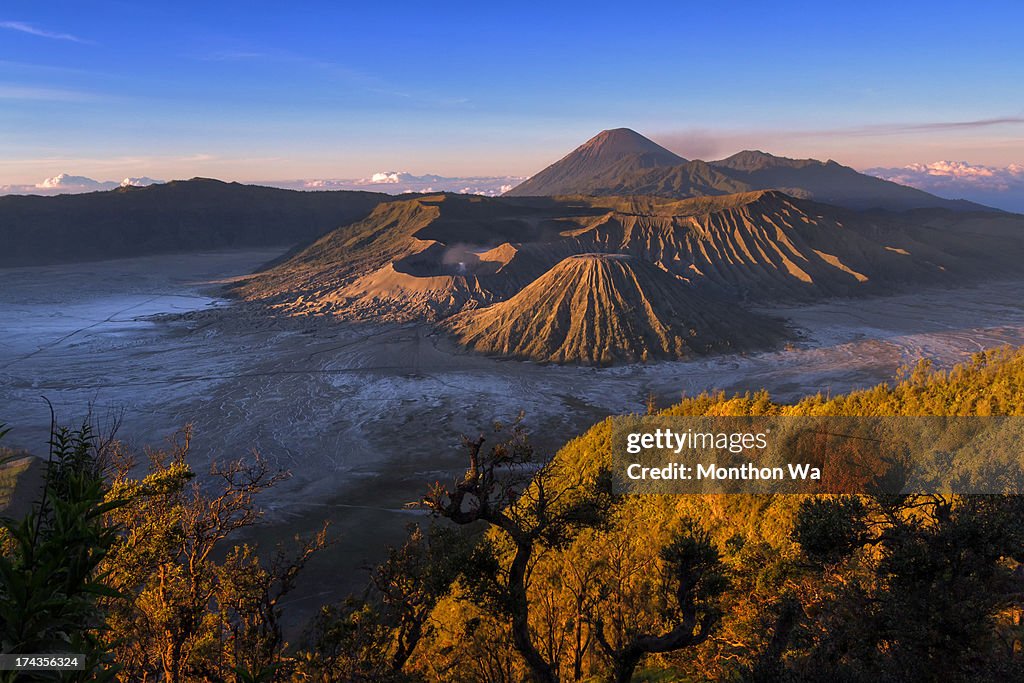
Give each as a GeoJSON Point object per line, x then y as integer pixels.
{"type": "Point", "coordinates": [767, 245]}
{"type": "Point", "coordinates": [180, 216]}
{"type": "Point", "coordinates": [830, 183]}
{"type": "Point", "coordinates": [425, 257]}
{"type": "Point", "coordinates": [605, 308]}
{"type": "Point", "coordinates": [609, 154]}
{"type": "Point", "coordinates": [691, 179]}
{"type": "Point", "coordinates": [622, 162]}
{"type": "Point", "coordinates": [432, 257]}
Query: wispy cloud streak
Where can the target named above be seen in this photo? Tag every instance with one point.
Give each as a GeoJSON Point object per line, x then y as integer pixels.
{"type": "Point", "coordinates": [24, 27]}
{"type": "Point", "coordinates": [897, 128]}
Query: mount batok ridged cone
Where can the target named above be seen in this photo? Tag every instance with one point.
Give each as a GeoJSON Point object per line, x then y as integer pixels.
{"type": "Point", "coordinates": [610, 153]}
{"type": "Point", "coordinates": [598, 309]}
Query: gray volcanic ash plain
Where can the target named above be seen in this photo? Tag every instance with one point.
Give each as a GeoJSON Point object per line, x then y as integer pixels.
{"type": "Point", "coordinates": [365, 414]}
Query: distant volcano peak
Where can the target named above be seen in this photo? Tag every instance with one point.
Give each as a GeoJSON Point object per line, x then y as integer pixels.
{"type": "Point", "coordinates": [619, 142]}
{"type": "Point", "coordinates": [609, 153]}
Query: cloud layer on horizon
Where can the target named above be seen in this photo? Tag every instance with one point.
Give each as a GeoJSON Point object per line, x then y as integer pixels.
{"type": "Point", "coordinates": [399, 182]}
{"type": "Point", "coordinates": [1001, 187]}
{"type": "Point", "coordinates": [66, 183]}
{"type": "Point", "coordinates": [389, 182]}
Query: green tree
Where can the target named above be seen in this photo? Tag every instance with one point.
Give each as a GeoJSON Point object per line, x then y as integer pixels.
{"type": "Point", "coordinates": [373, 637]}
{"type": "Point", "coordinates": [51, 580]}
{"type": "Point", "coordinates": [923, 580]}
{"type": "Point", "coordinates": [192, 615]}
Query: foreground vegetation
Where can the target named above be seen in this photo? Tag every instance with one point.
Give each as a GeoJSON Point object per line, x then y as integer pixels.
{"type": "Point", "coordinates": [535, 571]}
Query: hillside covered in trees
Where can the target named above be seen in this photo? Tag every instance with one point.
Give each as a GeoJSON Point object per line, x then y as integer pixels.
{"type": "Point", "coordinates": [532, 569]}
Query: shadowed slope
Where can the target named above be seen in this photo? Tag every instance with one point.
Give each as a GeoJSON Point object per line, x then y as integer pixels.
{"type": "Point", "coordinates": [179, 216]}
{"type": "Point", "coordinates": [605, 308]}
{"type": "Point", "coordinates": [691, 179]}
{"type": "Point", "coordinates": [622, 162]}
{"type": "Point", "coordinates": [830, 183]}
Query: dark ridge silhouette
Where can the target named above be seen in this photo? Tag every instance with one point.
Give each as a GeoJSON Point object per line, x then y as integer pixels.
{"type": "Point", "coordinates": [180, 216]}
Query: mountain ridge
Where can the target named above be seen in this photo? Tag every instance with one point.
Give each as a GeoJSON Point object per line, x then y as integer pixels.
{"type": "Point", "coordinates": [824, 181]}
{"type": "Point", "coordinates": [435, 256]}
{"type": "Point", "coordinates": [178, 216]}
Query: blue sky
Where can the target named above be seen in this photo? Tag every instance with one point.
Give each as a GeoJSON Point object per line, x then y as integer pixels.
{"type": "Point", "coordinates": [251, 90]}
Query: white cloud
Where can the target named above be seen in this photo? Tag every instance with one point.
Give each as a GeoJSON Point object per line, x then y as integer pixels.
{"type": "Point", "coordinates": [389, 177]}
{"type": "Point", "coordinates": [65, 183]}
{"type": "Point", "coordinates": [77, 183]}
{"type": "Point", "coordinates": [999, 186]}
{"type": "Point", "coordinates": [952, 174]}
{"type": "Point", "coordinates": [142, 181]}
{"type": "Point", "coordinates": [23, 27]}
{"type": "Point", "coordinates": [401, 182]}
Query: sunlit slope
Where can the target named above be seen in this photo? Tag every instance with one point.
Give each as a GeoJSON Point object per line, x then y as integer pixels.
{"type": "Point", "coordinates": [432, 257]}
{"type": "Point", "coordinates": [605, 308]}
{"type": "Point", "coordinates": [21, 480]}
{"type": "Point", "coordinates": [766, 245]}
{"type": "Point", "coordinates": [425, 258]}
{"type": "Point", "coordinates": [754, 533]}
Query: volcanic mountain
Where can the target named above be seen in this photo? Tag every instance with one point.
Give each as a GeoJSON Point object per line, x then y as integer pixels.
{"type": "Point", "coordinates": [602, 308]}
{"type": "Point", "coordinates": [827, 182]}
{"type": "Point", "coordinates": [431, 257]}
{"type": "Point", "coordinates": [608, 155]}
{"type": "Point", "coordinates": [422, 258]}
